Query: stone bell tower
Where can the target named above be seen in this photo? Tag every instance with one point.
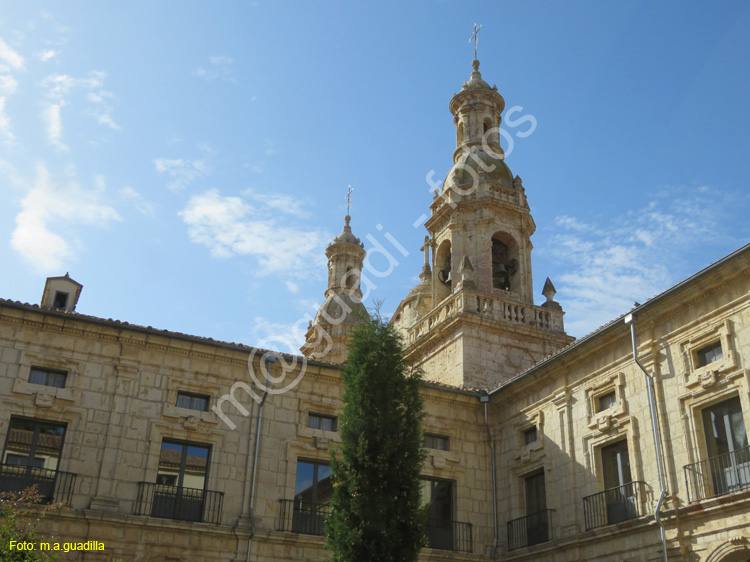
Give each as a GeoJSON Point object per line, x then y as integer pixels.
{"type": "Point", "coordinates": [327, 338]}
{"type": "Point", "coordinates": [482, 326]}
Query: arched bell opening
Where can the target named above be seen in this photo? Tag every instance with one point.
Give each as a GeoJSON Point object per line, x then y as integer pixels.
{"type": "Point", "coordinates": [443, 267]}
{"type": "Point", "coordinates": [505, 262]}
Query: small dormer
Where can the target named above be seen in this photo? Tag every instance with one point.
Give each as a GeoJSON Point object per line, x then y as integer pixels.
{"type": "Point", "coordinates": [61, 293]}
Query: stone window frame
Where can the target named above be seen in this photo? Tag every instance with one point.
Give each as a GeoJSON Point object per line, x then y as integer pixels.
{"type": "Point", "coordinates": [183, 381]}
{"type": "Point", "coordinates": [530, 421]}
{"type": "Point", "coordinates": [318, 438]}
{"type": "Point", "coordinates": [438, 458]}
{"type": "Point", "coordinates": [603, 420]}
{"type": "Point", "coordinates": [593, 444]}
{"type": "Point", "coordinates": [159, 430]}
{"type": "Point", "coordinates": [46, 395]}
{"type": "Point", "coordinates": [518, 475]}
{"type": "Point", "coordinates": [707, 375]}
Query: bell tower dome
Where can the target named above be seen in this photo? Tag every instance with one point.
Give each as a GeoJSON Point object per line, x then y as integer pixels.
{"type": "Point", "coordinates": [328, 337]}
{"type": "Point", "coordinates": [482, 326]}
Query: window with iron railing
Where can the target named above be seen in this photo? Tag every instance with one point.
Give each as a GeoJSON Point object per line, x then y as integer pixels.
{"type": "Point", "coordinates": [727, 468]}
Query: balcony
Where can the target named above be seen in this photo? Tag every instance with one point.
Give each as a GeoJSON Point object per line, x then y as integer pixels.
{"type": "Point", "coordinates": [303, 518]}
{"type": "Point", "coordinates": [614, 505]}
{"type": "Point", "coordinates": [530, 530]}
{"type": "Point", "coordinates": [307, 518]}
{"type": "Point", "coordinates": [179, 503]}
{"type": "Point", "coordinates": [449, 535]}
{"type": "Point", "coordinates": [52, 485]}
{"type": "Point", "coordinates": [719, 475]}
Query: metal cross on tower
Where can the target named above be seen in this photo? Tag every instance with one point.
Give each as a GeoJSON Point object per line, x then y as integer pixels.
{"type": "Point", "coordinates": [348, 197]}
{"type": "Point", "coordinates": [475, 37]}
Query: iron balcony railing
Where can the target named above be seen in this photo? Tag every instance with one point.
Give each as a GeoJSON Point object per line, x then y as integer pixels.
{"type": "Point", "coordinates": [304, 518]}
{"type": "Point", "coordinates": [614, 505]}
{"type": "Point", "coordinates": [530, 530]}
{"type": "Point", "coordinates": [52, 485]}
{"type": "Point", "coordinates": [449, 535]}
{"type": "Point", "coordinates": [719, 475]}
{"type": "Point", "coordinates": [179, 503]}
{"type": "Point", "coordinates": [308, 518]}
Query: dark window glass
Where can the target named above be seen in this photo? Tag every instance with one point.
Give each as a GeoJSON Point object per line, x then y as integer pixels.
{"type": "Point", "coordinates": [61, 300]}
{"type": "Point", "coordinates": [193, 401]}
{"type": "Point", "coordinates": [616, 464]}
{"type": "Point", "coordinates": [313, 483]}
{"type": "Point", "coordinates": [319, 421]}
{"type": "Point", "coordinates": [606, 401]}
{"type": "Point", "coordinates": [438, 496]}
{"type": "Point", "coordinates": [439, 442]}
{"type": "Point", "coordinates": [709, 354]}
{"type": "Point", "coordinates": [183, 464]}
{"type": "Point", "coordinates": [724, 427]}
{"type": "Point", "coordinates": [35, 443]}
{"type": "Point", "coordinates": [48, 377]}
{"type": "Point", "coordinates": [530, 436]}
{"type": "Point", "coordinates": [536, 495]}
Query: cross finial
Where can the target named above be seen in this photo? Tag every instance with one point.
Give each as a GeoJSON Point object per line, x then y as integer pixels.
{"type": "Point", "coordinates": [475, 37]}
{"type": "Point", "coordinates": [348, 198]}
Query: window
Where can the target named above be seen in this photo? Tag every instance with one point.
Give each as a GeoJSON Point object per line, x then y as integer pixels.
{"type": "Point", "coordinates": [537, 529]}
{"type": "Point", "coordinates": [727, 444]}
{"type": "Point", "coordinates": [193, 401]}
{"type": "Point", "coordinates": [31, 456]}
{"type": "Point", "coordinates": [48, 377]}
{"type": "Point", "coordinates": [180, 481]}
{"type": "Point", "coordinates": [438, 496]}
{"type": "Point", "coordinates": [312, 492]}
{"type": "Point", "coordinates": [320, 421]}
{"type": "Point", "coordinates": [606, 401]}
{"type": "Point", "coordinates": [61, 300]}
{"type": "Point", "coordinates": [620, 494]}
{"type": "Point", "coordinates": [709, 354]}
{"type": "Point", "coordinates": [530, 436]}
{"type": "Point", "coordinates": [434, 441]}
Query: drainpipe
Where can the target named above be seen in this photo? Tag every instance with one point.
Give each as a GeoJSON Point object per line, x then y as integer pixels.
{"type": "Point", "coordinates": [630, 319]}
{"type": "Point", "coordinates": [269, 359]}
{"type": "Point", "coordinates": [484, 399]}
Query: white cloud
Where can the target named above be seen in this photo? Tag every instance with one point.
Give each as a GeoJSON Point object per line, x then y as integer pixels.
{"type": "Point", "coordinates": [231, 226]}
{"type": "Point", "coordinates": [10, 56]}
{"type": "Point", "coordinates": [7, 138]}
{"type": "Point", "coordinates": [288, 338]}
{"type": "Point", "coordinates": [279, 202]}
{"type": "Point", "coordinates": [182, 172]}
{"type": "Point", "coordinates": [8, 85]}
{"type": "Point", "coordinates": [221, 68]}
{"type": "Point", "coordinates": [59, 85]}
{"type": "Point", "coordinates": [47, 55]}
{"type": "Point", "coordinates": [292, 287]}
{"type": "Point", "coordinates": [53, 205]}
{"type": "Point", "coordinates": [607, 267]}
{"type": "Point", "coordinates": [54, 125]}
{"type": "Point", "coordinates": [132, 196]}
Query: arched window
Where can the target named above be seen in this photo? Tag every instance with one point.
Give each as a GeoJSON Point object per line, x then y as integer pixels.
{"type": "Point", "coordinates": [460, 134]}
{"type": "Point", "coordinates": [504, 262]}
{"type": "Point", "coordinates": [443, 269]}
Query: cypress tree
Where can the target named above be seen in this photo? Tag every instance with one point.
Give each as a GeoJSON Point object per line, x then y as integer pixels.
{"type": "Point", "coordinates": [377, 514]}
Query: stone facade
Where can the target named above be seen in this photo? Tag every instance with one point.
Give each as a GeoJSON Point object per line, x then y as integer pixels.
{"type": "Point", "coordinates": [169, 447]}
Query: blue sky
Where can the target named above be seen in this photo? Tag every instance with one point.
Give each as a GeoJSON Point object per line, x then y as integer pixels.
{"type": "Point", "coordinates": [187, 162]}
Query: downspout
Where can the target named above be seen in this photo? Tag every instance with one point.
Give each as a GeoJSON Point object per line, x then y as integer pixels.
{"type": "Point", "coordinates": [630, 319]}
{"type": "Point", "coordinates": [269, 359]}
{"type": "Point", "coordinates": [491, 444]}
